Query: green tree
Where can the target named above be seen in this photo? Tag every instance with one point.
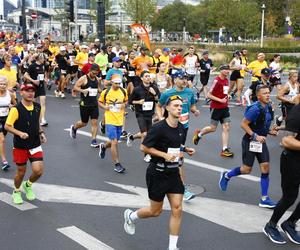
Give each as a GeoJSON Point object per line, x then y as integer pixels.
{"type": "Point", "coordinates": [140, 11]}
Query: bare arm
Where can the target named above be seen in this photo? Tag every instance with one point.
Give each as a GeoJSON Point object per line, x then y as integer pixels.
{"type": "Point", "coordinates": [290, 142]}
{"type": "Point", "coordinates": [159, 111]}
{"type": "Point", "coordinates": [282, 92]}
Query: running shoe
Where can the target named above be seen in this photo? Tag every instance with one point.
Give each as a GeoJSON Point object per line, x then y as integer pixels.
{"type": "Point", "coordinates": [129, 226]}
{"type": "Point", "coordinates": [233, 96]}
{"type": "Point", "coordinates": [187, 196]}
{"type": "Point", "coordinates": [227, 153]}
{"type": "Point", "coordinates": [129, 140]}
{"type": "Point", "coordinates": [273, 234]}
{"type": "Point", "coordinates": [132, 108]}
{"type": "Point", "coordinates": [277, 121]}
{"type": "Point", "coordinates": [198, 95]}
{"type": "Point", "coordinates": [123, 135]}
{"type": "Point", "coordinates": [223, 182]}
{"type": "Point", "coordinates": [102, 128]}
{"type": "Point", "coordinates": [290, 230]}
{"type": "Point", "coordinates": [238, 103]}
{"type": "Point", "coordinates": [73, 132]}
{"type": "Point", "coordinates": [17, 197]}
{"type": "Point", "coordinates": [5, 166]}
{"type": "Point", "coordinates": [63, 95]}
{"type": "Point", "coordinates": [28, 190]}
{"type": "Point", "coordinates": [57, 93]}
{"type": "Point", "coordinates": [207, 101]}
{"type": "Point", "coordinates": [102, 150]}
{"type": "Point", "coordinates": [119, 168]}
{"type": "Point", "coordinates": [267, 203]}
{"type": "Point", "coordinates": [94, 143]}
{"type": "Point", "coordinates": [44, 123]}
{"type": "Point", "coordinates": [147, 158]}
{"type": "Point", "coordinates": [196, 137]}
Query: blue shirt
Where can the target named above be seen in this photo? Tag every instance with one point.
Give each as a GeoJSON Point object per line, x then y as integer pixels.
{"type": "Point", "coordinates": [188, 100]}
{"type": "Point", "coordinates": [112, 72]}
{"type": "Point", "coordinates": [252, 115]}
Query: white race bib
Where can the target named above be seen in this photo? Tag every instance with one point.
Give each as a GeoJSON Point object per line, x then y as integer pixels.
{"type": "Point", "coordinates": [41, 77]}
{"type": "Point", "coordinates": [4, 111]}
{"type": "Point", "coordinates": [103, 72]}
{"type": "Point", "coordinates": [93, 91]}
{"type": "Point", "coordinates": [225, 90]}
{"type": "Point", "coordinates": [123, 70]}
{"type": "Point", "coordinates": [63, 71]}
{"type": "Point", "coordinates": [115, 107]}
{"type": "Point", "coordinates": [147, 106]}
{"type": "Point", "coordinates": [174, 151]}
{"type": "Point", "coordinates": [131, 73]}
{"type": "Point", "coordinates": [35, 150]}
{"type": "Point", "coordinates": [255, 147]}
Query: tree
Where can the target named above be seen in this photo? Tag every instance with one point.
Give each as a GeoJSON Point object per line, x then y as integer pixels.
{"type": "Point", "coordinates": [141, 11]}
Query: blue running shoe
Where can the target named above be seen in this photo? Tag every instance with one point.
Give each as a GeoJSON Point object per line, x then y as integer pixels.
{"type": "Point", "coordinates": [94, 143]}
{"type": "Point", "coordinates": [102, 150]}
{"type": "Point", "coordinates": [267, 203]}
{"type": "Point", "coordinates": [273, 234]}
{"type": "Point", "coordinates": [119, 168]}
{"type": "Point", "coordinates": [188, 195]}
{"type": "Point", "coordinates": [223, 182]}
{"type": "Point", "coordinates": [290, 230]}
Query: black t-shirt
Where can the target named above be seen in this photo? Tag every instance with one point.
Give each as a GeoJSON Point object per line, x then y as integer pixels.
{"type": "Point", "coordinates": [163, 137]}
{"type": "Point", "coordinates": [111, 56]}
{"type": "Point", "coordinates": [35, 69]}
{"type": "Point", "coordinates": [253, 87]}
{"type": "Point", "coordinates": [206, 65]}
{"type": "Point", "coordinates": [293, 121]}
{"type": "Point", "coordinates": [142, 92]}
{"type": "Point", "coordinates": [62, 61]}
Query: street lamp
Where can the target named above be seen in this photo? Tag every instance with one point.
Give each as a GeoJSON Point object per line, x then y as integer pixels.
{"type": "Point", "coordinates": [101, 21]}
{"type": "Point", "coordinates": [184, 30]}
{"type": "Point", "coordinates": [263, 7]}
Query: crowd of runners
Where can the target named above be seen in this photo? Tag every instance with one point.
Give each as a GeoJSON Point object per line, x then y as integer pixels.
{"type": "Point", "coordinates": [162, 87]}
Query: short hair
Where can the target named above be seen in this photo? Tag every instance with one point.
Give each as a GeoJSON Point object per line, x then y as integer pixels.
{"type": "Point", "coordinates": [4, 78]}
{"type": "Point", "coordinates": [261, 86]}
{"type": "Point", "coordinates": [144, 72]}
{"type": "Point", "coordinates": [293, 72]}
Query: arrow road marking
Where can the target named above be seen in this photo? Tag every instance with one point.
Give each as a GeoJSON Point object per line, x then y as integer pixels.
{"type": "Point", "coordinates": [83, 238]}
{"type": "Point", "coordinates": [5, 197]}
{"type": "Point", "coordinates": [240, 217]}
{"type": "Point", "coordinates": [188, 161]}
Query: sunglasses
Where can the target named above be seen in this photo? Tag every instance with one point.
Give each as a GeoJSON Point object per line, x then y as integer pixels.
{"type": "Point", "coordinates": [173, 98]}
{"type": "Point", "coordinates": [147, 76]}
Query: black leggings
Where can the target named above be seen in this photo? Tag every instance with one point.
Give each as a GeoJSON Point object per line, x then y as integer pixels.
{"type": "Point", "coordinates": [290, 181]}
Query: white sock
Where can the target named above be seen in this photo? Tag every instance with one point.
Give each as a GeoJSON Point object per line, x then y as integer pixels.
{"type": "Point", "coordinates": [280, 118]}
{"type": "Point", "coordinates": [173, 242]}
{"type": "Point", "coordinates": [133, 216]}
{"type": "Point", "coordinates": [199, 134]}
{"type": "Point", "coordinates": [225, 147]}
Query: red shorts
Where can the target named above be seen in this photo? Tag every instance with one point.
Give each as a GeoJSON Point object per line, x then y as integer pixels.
{"type": "Point", "coordinates": [21, 156]}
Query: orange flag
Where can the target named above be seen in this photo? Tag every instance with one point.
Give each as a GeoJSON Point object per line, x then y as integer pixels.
{"type": "Point", "coordinates": [141, 31]}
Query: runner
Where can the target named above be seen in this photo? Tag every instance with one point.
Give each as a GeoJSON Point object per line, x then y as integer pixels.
{"type": "Point", "coordinates": [102, 60]}
{"type": "Point", "coordinates": [256, 123]}
{"type": "Point", "coordinates": [256, 67]}
{"type": "Point", "coordinates": [191, 62]}
{"type": "Point", "coordinates": [165, 58]}
{"type": "Point", "coordinates": [163, 80]}
{"type": "Point", "coordinates": [10, 73]}
{"type": "Point", "coordinates": [6, 100]}
{"type": "Point", "coordinates": [165, 143]}
{"type": "Point", "coordinates": [275, 68]}
{"type": "Point", "coordinates": [113, 101]}
{"type": "Point", "coordinates": [23, 123]}
{"type": "Point", "coordinates": [290, 182]}
{"type": "Point", "coordinates": [88, 86]}
{"type": "Point", "coordinates": [219, 111]}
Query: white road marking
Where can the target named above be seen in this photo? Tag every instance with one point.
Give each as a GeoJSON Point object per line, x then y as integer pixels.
{"type": "Point", "coordinates": [74, 106]}
{"type": "Point", "coordinates": [83, 238]}
{"type": "Point", "coordinates": [188, 161]}
{"type": "Point", "coordinates": [5, 197]}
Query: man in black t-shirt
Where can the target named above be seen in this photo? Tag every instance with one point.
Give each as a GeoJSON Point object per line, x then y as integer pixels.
{"type": "Point", "coordinates": [164, 142]}
{"type": "Point", "coordinates": [290, 182]}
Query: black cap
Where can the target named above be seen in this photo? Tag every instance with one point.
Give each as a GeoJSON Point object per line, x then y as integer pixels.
{"type": "Point", "coordinates": [224, 67]}
{"type": "Point", "coordinates": [266, 71]}
{"type": "Point", "coordinates": [103, 47]}
{"type": "Point", "coordinates": [91, 54]}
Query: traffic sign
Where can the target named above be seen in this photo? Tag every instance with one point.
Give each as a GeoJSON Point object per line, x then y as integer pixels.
{"type": "Point", "coordinates": [33, 15]}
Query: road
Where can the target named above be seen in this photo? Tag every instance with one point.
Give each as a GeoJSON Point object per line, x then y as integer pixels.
{"type": "Point", "coordinates": [80, 199]}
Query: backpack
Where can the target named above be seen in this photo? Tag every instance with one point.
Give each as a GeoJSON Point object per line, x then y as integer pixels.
{"type": "Point", "coordinates": [108, 89]}
{"type": "Point", "coordinates": [260, 122]}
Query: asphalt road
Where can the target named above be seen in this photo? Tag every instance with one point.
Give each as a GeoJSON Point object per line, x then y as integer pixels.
{"type": "Point", "coordinates": [83, 206]}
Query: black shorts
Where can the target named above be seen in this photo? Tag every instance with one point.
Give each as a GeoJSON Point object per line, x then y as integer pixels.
{"type": "Point", "coordinates": [289, 169]}
{"type": "Point", "coordinates": [2, 124]}
{"type": "Point", "coordinates": [87, 112]}
{"type": "Point", "coordinates": [249, 157]}
{"type": "Point", "coordinates": [220, 115]}
{"type": "Point", "coordinates": [40, 90]}
{"type": "Point", "coordinates": [204, 79]}
{"type": "Point", "coordinates": [163, 181]}
{"type": "Point", "coordinates": [144, 122]}
{"type": "Point", "coordinates": [190, 77]}
{"type": "Point", "coordinates": [235, 75]}
{"type": "Point", "coordinates": [286, 108]}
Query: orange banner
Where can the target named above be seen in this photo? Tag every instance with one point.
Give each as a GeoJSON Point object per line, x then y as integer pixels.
{"type": "Point", "coordinates": [141, 31]}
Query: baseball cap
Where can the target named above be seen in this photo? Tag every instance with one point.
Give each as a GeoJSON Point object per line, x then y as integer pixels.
{"type": "Point", "coordinates": [95, 67]}
{"type": "Point", "coordinates": [91, 54]}
{"type": "Point", "coordinates": [62, 48]}
{"type": "Point", "coordinates": [166, 49]}
{"type": "Point", "coordinates": [224, 67]}
{"type": "Point", "coordinates": [158, 51]}
{"type": "Point", "coordinates": [84, 47]}
{"type": "Point", "coordinates": [116, 59]}
{"type": "Point", "coordinates": [265, 71]}
{"type": "Point", "coordinates": [180, 74]}
{"type": "Point", "coordinates": [116, 78]}
{"type": "Point", "coordinates": [27, 86]}
{"type": "Point", "coordinates": [205, 52]}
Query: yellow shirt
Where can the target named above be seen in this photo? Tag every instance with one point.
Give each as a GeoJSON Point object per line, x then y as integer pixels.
{"type": "Point", "coordinates": [116, 99]}
{"type": "Point", "coordinates": [54, 50]}
{"type": "Point", "coordinates": [256, 66]}
{"type": "Point", "coordinates": [14, 115]}
{"type": "Point", "coordinates": [244, 61]}
{"type": "Point", "coordinates": [82, 58]}
{"type": "Point", "coordinates": [18, 49]}
{"type": "Point", "coordinates": [165, 59]}
{"type": "Point", "coordinates": [153, 68]}
{"type": "Point", "coordinates": [11, 76]}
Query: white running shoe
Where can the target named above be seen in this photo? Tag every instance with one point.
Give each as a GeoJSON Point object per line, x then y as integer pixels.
{"type": "Point", "coordinates": [147, 158]}
{"type": "Point", "coordinates": [129, 226]}
{"type": "Point", "coordinates": [129, 141]}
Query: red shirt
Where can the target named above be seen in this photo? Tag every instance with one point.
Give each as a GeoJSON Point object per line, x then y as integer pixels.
{"type": "Point", "coordinates": [219, 89]}
{"type": "Point", "coordinates": [86, 68]}
{"type": "Point", "coordinates": [178, 60]}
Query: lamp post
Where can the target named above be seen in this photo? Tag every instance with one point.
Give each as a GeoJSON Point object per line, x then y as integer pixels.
{"type": "Point", "coordinates": [184, 30]}
{"type": "Point", "coordinates": [24, 33]}
{"type": "Point", "coordinates": [101, 21]}
{"type": "Point", "coordinates": [263, 7]}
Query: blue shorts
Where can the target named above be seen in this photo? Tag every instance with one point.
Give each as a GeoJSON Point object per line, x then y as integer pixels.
{"type": "Point", "coordinates": [113, 132]}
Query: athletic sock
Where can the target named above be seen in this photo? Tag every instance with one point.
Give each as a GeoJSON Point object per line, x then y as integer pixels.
{"type": "Point", "coordinates": [131, 137]}
{"type": "Point", "coordinates": [200, 134]}
{"type": "Point", "coordinates": [173, 242]}
{"type": "Point", "coordinates": [134, 216]}
{"type": "Point", "coordinates": [224, 148]}
{"type": "Point", "coordinates": [264, 183]}
{"type": "Point", "coordinates": [28, 183]}
{"type": "Point", "coordinates": [233, 172]}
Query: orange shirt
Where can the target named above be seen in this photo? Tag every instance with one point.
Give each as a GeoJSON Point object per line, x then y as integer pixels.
{"type": "Point", "coordinates": [141, 63]}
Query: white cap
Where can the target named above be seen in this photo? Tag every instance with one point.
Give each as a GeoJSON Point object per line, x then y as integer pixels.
{"type": "Point", "coordinates": [62, 48]}
{"type": "Point", "coordinates": [84, 47]}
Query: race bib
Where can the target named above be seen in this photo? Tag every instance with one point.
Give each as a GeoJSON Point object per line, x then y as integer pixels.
{"type": "Point", "coordinates": [174, 151]}
{"type": "Point", "coordinates": [147, 106]}
{"type": "Point", "coordinates": [184, 118]}
{"type": "Point", "coordinates": [225, 90]}
{"type": "Point", "coordinates": [41, 77]}
{"type": "Point", "coordinates": [115, 107]}
{"type": "Point", "coordinates": [93, 91]}
{"type": "Point", "coordinates": [207, 66]}
{"type": "Point", "coordinates": [63, 71]}
{"type": "Point", "coordinates": [72, 63]}
{"type": "Point", "coordinates": [255, 147]}
{"type": "Point", "coordinates": [4, 111]}
{"type": "Point", "coordinates": [131, 73]}
{"type": "Point", "coordinates": [35, 150]}
{"type": "Point", "coordinates": [162, 84]}
{"type": "Point", "coordinates": [103, 72]}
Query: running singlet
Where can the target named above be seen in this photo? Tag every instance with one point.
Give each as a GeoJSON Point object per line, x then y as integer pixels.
{"type": "Point", "coordinates": [4, 104]}
{"type": "Point", "coordinates": [190, 64]}
{"type": "Point", "coordinates": [91, 98]}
